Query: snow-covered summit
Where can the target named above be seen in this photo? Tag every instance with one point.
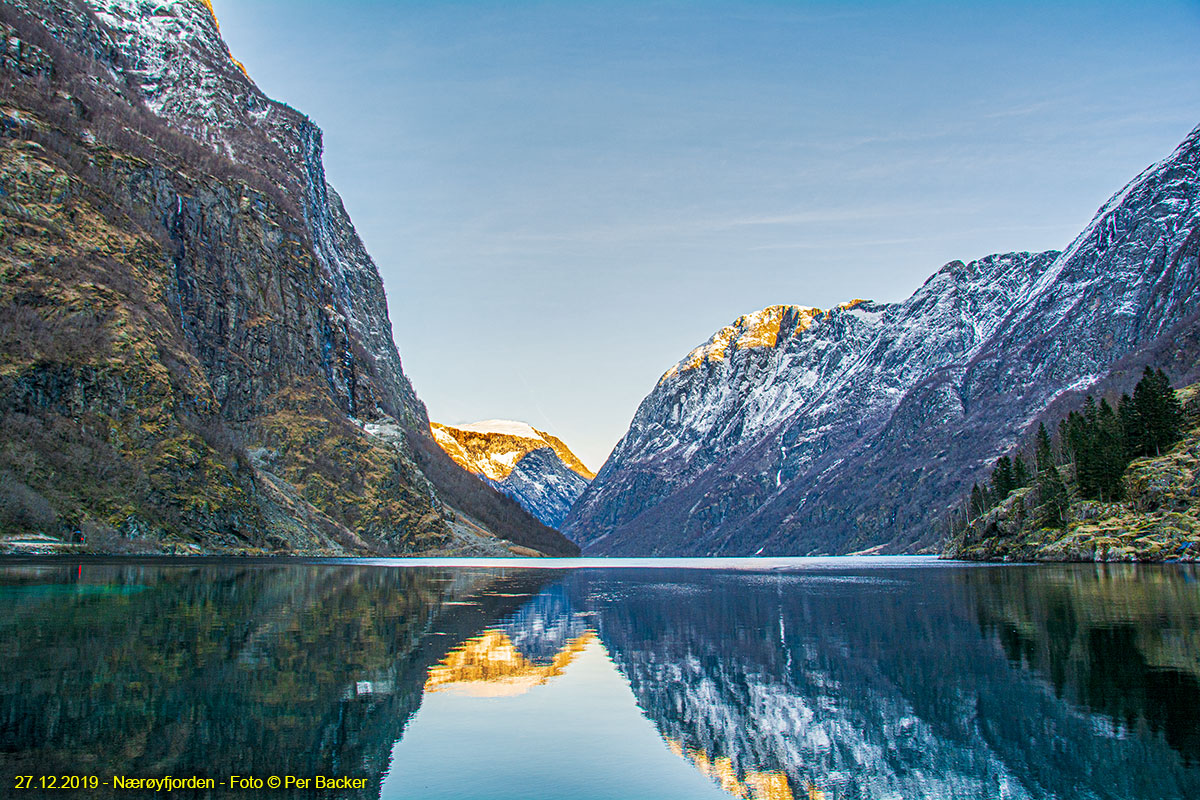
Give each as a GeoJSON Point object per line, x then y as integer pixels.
{"type": "Point", "coordinates": [533, 467]}
{"type": "Point", "coordinates": [504, 427]}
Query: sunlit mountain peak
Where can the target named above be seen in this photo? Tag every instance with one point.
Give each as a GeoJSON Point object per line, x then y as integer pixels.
{"type": "Point", "coordinates": [758, 329]}
{"type": "Point", "coordinates": [493, 448]}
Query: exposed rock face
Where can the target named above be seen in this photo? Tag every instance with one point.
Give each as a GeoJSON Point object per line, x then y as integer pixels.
{"type": "Point", "coordinates": [194, 336]}
{"type": "Point", "coordinates": [184, 71]}
{"type": "Point", "coordinates": [544, 486]}
{"type": "Point", "coordinates": [533, 467]}
{"type": "Point", "coordinates": [1158, 519]}
{"type": "Point", "coordinates": [858, 427]}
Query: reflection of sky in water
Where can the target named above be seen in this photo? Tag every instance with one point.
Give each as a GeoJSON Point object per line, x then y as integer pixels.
{"type": "Point", "coordinates": [577, 737]}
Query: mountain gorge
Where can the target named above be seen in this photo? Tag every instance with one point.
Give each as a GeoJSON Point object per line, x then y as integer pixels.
{"type": "Point", "coordinates": [195, 349]}
{"type": "Point", "coordinates": [533, 467]}
{"type": "Point", "coordinates": [800, 431]}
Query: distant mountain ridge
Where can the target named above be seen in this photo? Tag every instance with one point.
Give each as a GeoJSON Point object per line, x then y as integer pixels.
{"type": "Point", "coordinates": [533, 467]}
{"type": "Point", "coordinates": [857, 427]}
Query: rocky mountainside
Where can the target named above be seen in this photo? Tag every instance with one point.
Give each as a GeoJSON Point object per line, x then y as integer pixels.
{"type": "Point", "coordinates": [195, 348]}
{"type": "Point", "coordinates": [531, 466]}
{"type": "Point", "coordinates": [1157, 518]}
{"type": "Point", "coordinates": [796, 430]}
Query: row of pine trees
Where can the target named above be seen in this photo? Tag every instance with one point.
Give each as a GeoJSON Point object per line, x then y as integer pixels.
{"type": "Point", "coordinates": [1099, 440]}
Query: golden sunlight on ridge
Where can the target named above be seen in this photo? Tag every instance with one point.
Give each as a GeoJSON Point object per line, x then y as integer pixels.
{"type": "Point", "coordinates": [495, 454]}
{"type": "Point", "coordinates": [753, 785]}
{"type": "Point", "coordinates": [489, 665]}
{"type": "Point", "coordinates": [217, 22]}
{"type": "Point", "coordinates": [759, 329]}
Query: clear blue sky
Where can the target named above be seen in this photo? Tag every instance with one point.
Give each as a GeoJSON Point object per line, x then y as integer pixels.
{"type": "Point", "coordinates": [565, 197]}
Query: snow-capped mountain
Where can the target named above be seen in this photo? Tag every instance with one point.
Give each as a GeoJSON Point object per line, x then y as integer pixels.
{"type": "Point", "coordinates": [531, 466]}
{"type": "Point", "coordinates": [796, 430]}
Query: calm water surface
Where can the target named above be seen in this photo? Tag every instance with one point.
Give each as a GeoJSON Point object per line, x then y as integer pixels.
{"type": "Point", "coordinates": [787, 680]}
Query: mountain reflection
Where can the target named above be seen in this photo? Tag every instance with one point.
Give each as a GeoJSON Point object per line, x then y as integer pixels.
{"type": "Point", "coordinates": [217, 671]}
{"type": "Point", "coordinates": [754, 785]}
{"type": "Point", "coordinates": [490, 665]}
{"type": "Point", "coordinates": [887, 683]}
{"type": "Point", "coordinates": [856, 682]}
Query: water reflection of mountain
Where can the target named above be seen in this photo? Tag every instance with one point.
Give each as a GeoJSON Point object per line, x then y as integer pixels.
{"type": "Point", "coordinates": [544, 626]}
{"type": "Point", "coordinates": [1122, 640]}
{"type": "Point", "coordinates": [528, 648]}
{"type": "Point", "coordinates": [220, 671]}
{"type": "Point", "coordinates": [858, 688]}
{"type": "Point", "coordinates": [490, 665]}
{"type": "Point", "coordinates": [917, 683]}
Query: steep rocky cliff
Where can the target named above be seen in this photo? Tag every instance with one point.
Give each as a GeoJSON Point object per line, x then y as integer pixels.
{"type": "Point", "coordinates": [533, 467]}
{"type": "Point", "coordinates": [195, 350]}
{"type": "Point", "coordinates": [798, 431]}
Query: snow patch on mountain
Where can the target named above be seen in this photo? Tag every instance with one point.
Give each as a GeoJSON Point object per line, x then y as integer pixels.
{"type": "Point", "coordinates": [507, 427]}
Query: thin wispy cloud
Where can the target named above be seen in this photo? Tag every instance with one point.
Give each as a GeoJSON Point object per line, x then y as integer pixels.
{"type": "Point", "coordinates": [1022, 110]}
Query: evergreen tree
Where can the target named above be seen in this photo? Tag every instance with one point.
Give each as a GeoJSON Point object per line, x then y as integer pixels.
{"type": "Point", "coordinates": [1020, 472]}
{"type": "Point", "coordinates": [1129, 425]}
{"type": "Point", "coordinates": [1055, 502]}
{"type": "Point", "coordinates": [1043, 455]}
{"type": "Point", "coordinates": [1098, 445]}
{"type": "Point", "coordinates": [1003, 479]}
{"type": "Point", "coordinates": [1156, 420]}
{"type": "Point", "coordinates": [1099, 440]}
{"type": "Point", "coordinates": [1087, 456]}
{"type": "Point", "coordinates": [1051, 489]}
{"type": "Point", "coordinates": [1108, 453]}
{"type": "Point", "coordinates": [1078, 442]}
{"type": "Point", "coordinates": [1167, 420]}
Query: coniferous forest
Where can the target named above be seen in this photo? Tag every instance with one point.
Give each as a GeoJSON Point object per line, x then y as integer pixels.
{"type": "Point", "coordinates": [1096, 443]}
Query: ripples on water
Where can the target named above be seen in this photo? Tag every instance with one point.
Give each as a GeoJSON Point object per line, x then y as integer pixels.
{"type": "Point", "coordinates": [825, 678]}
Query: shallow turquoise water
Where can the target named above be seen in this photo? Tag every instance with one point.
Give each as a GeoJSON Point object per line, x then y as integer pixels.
{"type": "Point", "coordinates": [482, 680]}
